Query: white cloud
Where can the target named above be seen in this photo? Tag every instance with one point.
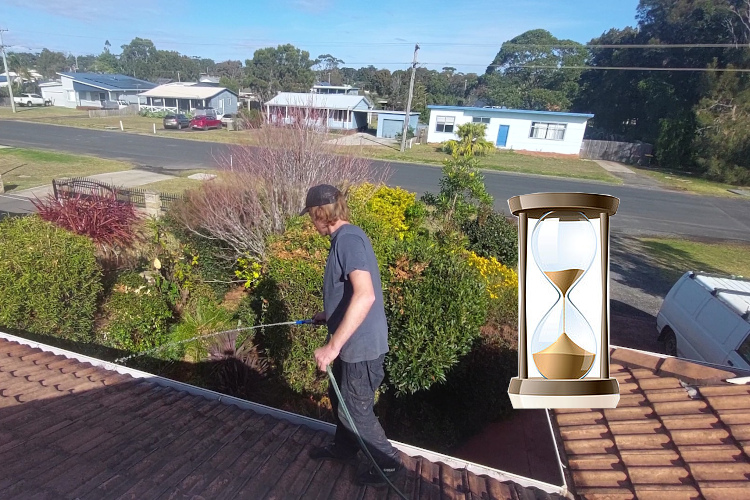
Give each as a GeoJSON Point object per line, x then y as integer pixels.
{"type": "Point", "coordinates": [104, 11]}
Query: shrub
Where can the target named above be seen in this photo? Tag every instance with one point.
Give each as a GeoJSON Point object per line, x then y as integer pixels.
{"type": "Point", "coordinates": [435, 308]}
{"type": "Point", "coordinates": [136, 315]}
{"type": "Point", "coordinates": [108, 221]}
{"type": "Point", "coordinates": [249, 119]}
{"type": "Point", "coordinates": [463, 194]}
{"type": "Point", "coordinates": [471, 141]}
{"type": "Point", "coordinates": [49, 279]}
{"type": "Point", "coordinates": [502, 289]}
{"type": "Point", "coordinates": [493, 236]}
{"type": "Point", "coordinates": [291, 289]}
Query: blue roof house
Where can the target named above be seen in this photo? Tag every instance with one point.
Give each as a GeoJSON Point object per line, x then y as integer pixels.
{"type": "Point", "coordinates": [94, 90]}
{"type": "Point", "coordinates": [518, 129]}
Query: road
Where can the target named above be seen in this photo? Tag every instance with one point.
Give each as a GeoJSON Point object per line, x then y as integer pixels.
{"type": "Point", "coordinates": [642, 210]}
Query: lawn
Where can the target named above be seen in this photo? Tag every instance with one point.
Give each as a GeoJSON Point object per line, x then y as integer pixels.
{"type": "Point", "coordinates": [684, 182]}
{"type": "Point", "coordinates": [40, 113]}
{"type": "Point", "coordinates": [177, 185]}
{"type": "Point", "coordinates": [675, 256]}
{"type": "Point", "coordinates": [27, 168]}
{"type": "Point", "coordinates": [508, 161]}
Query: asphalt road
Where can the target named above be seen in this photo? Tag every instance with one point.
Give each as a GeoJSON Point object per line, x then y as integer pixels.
{"type": "Point", "coordinates": [642, 210]}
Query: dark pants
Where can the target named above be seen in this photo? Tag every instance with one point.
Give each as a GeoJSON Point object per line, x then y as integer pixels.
{"type": "Point", "coordinates": [358, 383]}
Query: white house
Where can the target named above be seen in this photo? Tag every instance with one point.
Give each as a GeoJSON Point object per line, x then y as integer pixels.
{"type": "Point", "coordinates": [543, 131]}
{"type": "Point", "coordinates": [181, 97]}
{"type": "Point", "coordinates": [346, 112]}
{"type": "Point", "coordinates": [93, 90]}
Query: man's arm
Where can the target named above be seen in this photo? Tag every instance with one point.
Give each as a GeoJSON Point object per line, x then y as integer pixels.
{"type": "Point", "coordinates": [363, 297]}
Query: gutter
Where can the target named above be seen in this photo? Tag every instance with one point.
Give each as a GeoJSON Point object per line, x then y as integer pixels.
{"type": "Point", "coordinates": [293, 418]}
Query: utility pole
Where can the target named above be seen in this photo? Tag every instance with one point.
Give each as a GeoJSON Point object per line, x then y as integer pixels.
{"type": "Point", "coordinates": [7, 73]}
{"type": "Point", "coordinates": [407, 116]}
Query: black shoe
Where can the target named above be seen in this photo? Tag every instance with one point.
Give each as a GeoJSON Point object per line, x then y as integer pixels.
{"type": "Point", "coordinates": [330, 452]}
{"type": "Point", "coordinates": [371, 477]}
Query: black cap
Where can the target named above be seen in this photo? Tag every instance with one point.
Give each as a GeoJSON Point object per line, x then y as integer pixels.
{"type": "Point", "coordinates": [322, 194]}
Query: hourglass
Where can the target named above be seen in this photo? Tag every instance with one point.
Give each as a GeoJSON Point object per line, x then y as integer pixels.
{"type": "Point", "coordinates": [563, 301]}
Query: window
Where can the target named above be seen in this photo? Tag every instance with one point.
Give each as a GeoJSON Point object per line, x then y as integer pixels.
{"type": "Point", "coordinates": [481, 119]}
{"type": "Point", "coordinates": [551, 131]}
{"type": "Point", "coordinates": [337, 115]}
{"type": "Point", "coordinates": [445, 123]}
{"type": "Point", "coordinates": [744, 349]}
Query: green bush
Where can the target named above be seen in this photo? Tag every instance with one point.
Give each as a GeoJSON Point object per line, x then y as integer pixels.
{"type": "Point", "coordinates": [49, 279]}
{"type": "Point", "coordinates": [137, 315]}
{"type": "Point", "coordinates": [291, 289]}
{"type": "Point", "coordinates": [435, 304]}
{"type": "Point", "coordinates": [493, 236]}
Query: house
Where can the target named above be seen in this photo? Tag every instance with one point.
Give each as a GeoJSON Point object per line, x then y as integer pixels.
{"type": "Point", "coordinates": [341, 111]}
{"type": "Point", "coordinates": [93, 90]}
{"type": "Point", "coordinates": [327, 88]}
{"type": "Point", "coordinates": [541, 131]}
{"type": "Point", "coordinates": [391, 123]}
{"type": "Point", "coordinates": [180, 97]}
{"type": "Point", "coordinates": [79, 427]}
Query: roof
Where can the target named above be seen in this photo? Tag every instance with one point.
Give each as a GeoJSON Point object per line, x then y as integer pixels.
{"type": "Point", "coordinates": [510, 111]}
{"type": "Point", "coordinates": [735, 292]}
{"type": "Point", "coordinates": [74, 430]}
{"type": "Point", "coordinates": [322, 101]}
{"type": "Point", "coordinates": [109, 81]}
{"type": "Point", "coordinates": [387, 112]}
{"type": "Point", "coordinates": [679, 431]}
{"type": "Point", "coordinates": [184, 91]}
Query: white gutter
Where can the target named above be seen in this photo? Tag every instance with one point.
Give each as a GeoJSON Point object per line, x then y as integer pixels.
{"type": "Point", "coordinates": [293, 418]}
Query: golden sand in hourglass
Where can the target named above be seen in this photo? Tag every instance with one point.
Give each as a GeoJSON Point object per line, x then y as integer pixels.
{"type": "Point", "coordinates": [564, 359]}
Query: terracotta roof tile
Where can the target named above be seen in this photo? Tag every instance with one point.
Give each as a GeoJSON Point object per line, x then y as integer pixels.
{"type": "Point", "coordinates": [664, 440]}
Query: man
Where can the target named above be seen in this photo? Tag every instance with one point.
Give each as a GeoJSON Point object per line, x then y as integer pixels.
{"type": "Point", "coordinates": [357, 334]}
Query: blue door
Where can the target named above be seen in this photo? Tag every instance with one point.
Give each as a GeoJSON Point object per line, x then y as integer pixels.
{"type": "Point", "coordinates": [502, 135]}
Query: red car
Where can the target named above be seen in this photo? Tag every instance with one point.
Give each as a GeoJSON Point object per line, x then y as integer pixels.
{"type": "Point", "coordinates": [205, 122]}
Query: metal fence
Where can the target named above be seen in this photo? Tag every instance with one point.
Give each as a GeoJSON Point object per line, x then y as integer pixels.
{"type": "Point", "coordinates": [65, 188]}
{"type": "Point", "coordinates": [632, 153]}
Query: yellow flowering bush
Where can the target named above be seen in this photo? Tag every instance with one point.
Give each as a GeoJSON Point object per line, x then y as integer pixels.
{"type": "Point", "coordinates": [387, 204]}
{"type": "Point", "coordinates": [502, 287]}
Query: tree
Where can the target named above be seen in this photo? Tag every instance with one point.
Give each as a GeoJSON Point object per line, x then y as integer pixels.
{"type": "Point", "coordinates": [283, 68]}
{"type": "Point", "coordinates": [138, 58]}
{"type": "Point", "coordinates": [542, 68]}
{"type": "Point", "coordinates": [50, 63]}
{"type": "Point", "coordinates": [327, 69]}
{"type": "Point", "coordinates": [106, 62]}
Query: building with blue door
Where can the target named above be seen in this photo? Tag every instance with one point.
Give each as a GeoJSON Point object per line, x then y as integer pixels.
{"type": "Point", "coordinates": [518, 129]}
{"type": "Point", "coordinates": [334, 111]}
{"type": "Point", "coordinates": [391, 123]}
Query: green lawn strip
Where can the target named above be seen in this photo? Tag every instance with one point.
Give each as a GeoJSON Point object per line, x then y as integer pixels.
{"type": "Point", "coordinates": [27, 168]}
{"type": "Point", "coordinates": [684, 182]}
{"type": "Point", "coordinates": [507, 161]}
{"type": "Point", "coordinates": [178, 185]}
{"type": "Point", "coordinates": [40, 113]}
{"type": "Point", "coordinates": [676, 256]}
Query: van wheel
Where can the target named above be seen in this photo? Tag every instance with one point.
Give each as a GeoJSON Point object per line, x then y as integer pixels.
{"type": "Point", "coordinates": [670, 342]}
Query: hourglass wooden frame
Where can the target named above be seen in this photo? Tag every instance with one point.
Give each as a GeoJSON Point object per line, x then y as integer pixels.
{"type": "Point", "coordinates": [589, 391]}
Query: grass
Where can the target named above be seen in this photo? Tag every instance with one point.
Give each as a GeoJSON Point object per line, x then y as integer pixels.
{"type": "Point", "coordinates": [682, 181]}
{"type": "Point", "coordinates": [27, 168]}
{"type": "Point", "coordinates": [40, 113]}
{"type": "Point", "coordinates": [507, 161]}
{"type": "Point", "coordinates": [675, 256]}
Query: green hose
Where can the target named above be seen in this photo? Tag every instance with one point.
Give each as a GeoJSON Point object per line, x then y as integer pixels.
{"type": "Point", "coordinates": [356, 432]}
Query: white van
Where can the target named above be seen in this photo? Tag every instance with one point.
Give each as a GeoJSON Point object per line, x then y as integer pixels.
{"type": "Point", "coordinates": [706, 317]}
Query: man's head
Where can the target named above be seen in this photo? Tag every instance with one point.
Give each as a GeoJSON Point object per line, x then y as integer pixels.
{"type": "Point", "coordinates": [326, 206]}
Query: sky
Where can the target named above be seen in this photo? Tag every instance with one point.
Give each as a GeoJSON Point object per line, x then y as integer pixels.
{"type": "Point", "coordinates": [462, 34]}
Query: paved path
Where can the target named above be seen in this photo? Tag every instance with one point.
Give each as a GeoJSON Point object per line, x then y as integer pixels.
{"type": "Point", "coordinates": [125, 178]}
{"type": "Point", "coordinates": [629, 176]}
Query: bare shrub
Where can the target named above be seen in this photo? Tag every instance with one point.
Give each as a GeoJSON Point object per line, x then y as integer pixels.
{"type": "Point", "coordinates": [262, 186]}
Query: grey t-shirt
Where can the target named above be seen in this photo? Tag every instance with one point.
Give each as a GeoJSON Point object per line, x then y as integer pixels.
{"type": "Point", "coordinates": [351, 250]}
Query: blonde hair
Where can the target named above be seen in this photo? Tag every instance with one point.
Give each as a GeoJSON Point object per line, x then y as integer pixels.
{"type": "Point", "coordinates": [333, 212]}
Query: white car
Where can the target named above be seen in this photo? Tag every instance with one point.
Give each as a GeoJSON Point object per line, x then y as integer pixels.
{"type": "Point", "coordinates": [706, 317]}
{"type": "Point", "coordinates": [32, 100]}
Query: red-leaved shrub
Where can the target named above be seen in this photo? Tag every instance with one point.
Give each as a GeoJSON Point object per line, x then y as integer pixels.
{"type": "Point", "coordinates": [108, 221]}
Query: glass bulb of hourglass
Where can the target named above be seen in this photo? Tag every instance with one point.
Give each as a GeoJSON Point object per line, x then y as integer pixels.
{"type": "Point", "coordinates": [563, 245]}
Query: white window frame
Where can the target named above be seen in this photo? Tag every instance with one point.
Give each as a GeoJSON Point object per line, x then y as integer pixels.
{"type": "Point", "coordinates": [548, 131]}
{"type": "Point", "coordinates": [71, 95]}
{"type": "Point", "coordinates": [445, 122]}
{"type": "Point", "coordinates": [481, 119]}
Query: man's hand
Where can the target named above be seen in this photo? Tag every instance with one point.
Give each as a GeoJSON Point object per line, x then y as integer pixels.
{"type": "Point", "coordinates": [325, 356]}
{"type": "Point", "coordinates": [319, 318]}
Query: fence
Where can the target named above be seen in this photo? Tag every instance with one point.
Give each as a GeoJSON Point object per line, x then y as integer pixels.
{"type": "Point", "coordinates": [103, 113]}
{"type": "Point", "coordinates": [154, 203]}
{"type": "Point", "coordinates": [632, 153]}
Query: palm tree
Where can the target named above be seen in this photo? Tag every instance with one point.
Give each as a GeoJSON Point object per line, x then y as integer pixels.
{"type": "Point", "coordinates": [23, 74]}
{"type": "Point", "coordinates": [471, 141]}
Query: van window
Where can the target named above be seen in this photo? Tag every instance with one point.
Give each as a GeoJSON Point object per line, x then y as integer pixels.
{"type": "Point", "coordinates": [744, 349]}
{"type": "Point", "coordinates": [689, 295]}
{"type": "Point", "coordinates": [716, 319]}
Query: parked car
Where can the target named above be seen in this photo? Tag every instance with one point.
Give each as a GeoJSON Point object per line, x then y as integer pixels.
{"type": "Point", "coordinates": [32, 100]}
{"type": "Point", "coordinates": [177, 121]}
{"type": "Point", "coordinates": [205, 122]}
{"type": "Point", "coordinates": [706, 317]}
{"type": "Point", "coordinates": [227, 119]}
